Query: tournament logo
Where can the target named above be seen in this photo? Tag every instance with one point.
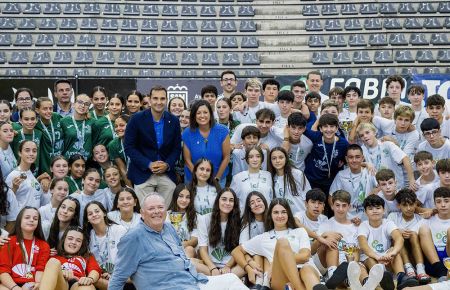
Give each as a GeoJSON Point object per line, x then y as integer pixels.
{"type": "Point", "coordinates": [377, 246]}
{"type": "Point", "coordinates": [178, 92]}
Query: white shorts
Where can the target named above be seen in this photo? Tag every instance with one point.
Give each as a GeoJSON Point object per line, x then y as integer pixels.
{"type": "Point", "coordinates": [440, 286]}
{"type": "Point", "coordinates": [223, 282]}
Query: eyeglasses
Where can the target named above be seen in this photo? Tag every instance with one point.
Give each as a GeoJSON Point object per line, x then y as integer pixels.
{"type": "Point", "coordinates": [432, 132]}
{"type": "Point", "coordinates": [24, 99]}
{"type": "Point", "coordinates": [228, 80]}
{"type": "Point", "coordinates": [81, 103]}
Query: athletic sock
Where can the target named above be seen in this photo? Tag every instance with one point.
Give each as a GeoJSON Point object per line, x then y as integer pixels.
{"type": "Point", "coordinates": [266, 281]}
{"type": "Point", "coordinates": [420, 268]}
{"type": "Point", "coordinates": [438, 269]}
{"type": "Point", "coordinates": [331, 270]}
{"type": "Point", "coordinates": [409, 269]}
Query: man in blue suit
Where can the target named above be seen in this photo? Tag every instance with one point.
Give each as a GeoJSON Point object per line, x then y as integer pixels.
{"type": "Point", "coordinates": [153, 144]}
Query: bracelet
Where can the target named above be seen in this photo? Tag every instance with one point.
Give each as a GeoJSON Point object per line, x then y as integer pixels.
{"type": "Point", "coordinates": [215, 268]}
{"type": "Point", "coordinates": [14, 287]}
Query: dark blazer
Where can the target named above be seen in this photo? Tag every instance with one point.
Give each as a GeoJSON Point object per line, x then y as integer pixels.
{"type": "Point", "coordinates": [141, 147]}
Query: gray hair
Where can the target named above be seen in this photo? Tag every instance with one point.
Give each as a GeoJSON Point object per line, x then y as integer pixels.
{"type": "Point", "coordinates": [153, 194]}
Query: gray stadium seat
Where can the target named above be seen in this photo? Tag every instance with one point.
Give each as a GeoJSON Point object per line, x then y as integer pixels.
{"type": "Point", "coordinates": [447, 22]}
{"type": "Point", "coordinates": [348, 9]}
{"type": "Point", "coordinates": [377, 40]}
{"type": "Point", "coordinates": [19, 57]}
{"type": "Point", "coordinates": [13, 72]}
{"type": "Point", "coordinates": [48, 24]}
{"type": "Point", "coordinates": [169, 25]}
{"type": "Point", "coordinates": [62, 57]}
{"type": "Point", "coordinates": [68, 24]}
{"type": "Point", "coordinates": [58, 72]}
{"type": "Point", "coordinates": [313, 25]}
{"type": "Point", "coordinates": [230, 58]}
{"type": "Point", "coordinates": [228, 26]}
{"type": "Point", "coordinates": [127, 57]}
{"type": "Point", "coordinates": [2, 57]}
{"type": "Point", "coordinates": [66, 40]}
{"type": "Point", "coordinates": [310, 10]}
{"type": "Point", "coordinates": [36, 72]}
{"type": "Point", "coordinates": [80, 72]}
{"type": "Point", "coordinates": [341, 57]}
{"type": "Point", "coordinates": [249, 42]}
{"type": "Point", "coordinates": [150, 10]}
{"type": "Point", "coordinates": [426, 7]}
{"type": "Point", "coordinates": [425, 56]}
{"type": "Point", "coordinates": [208, 11]}
{"type": "Point", "coordinates": [403, 56]}
{"type": "Point", "coordinates": [326, 72]}
{"type": "Point", "coordinates": [23, 40]}
{"type": "Point", "coordinates": [387, 8]}
{"type": "Point", "coordinates": [72, 8]}
{"type": "Point", "coordinates": [103, 72]}
{"type": "Point", "coordinates": [439, 39]}
{"type": "Point", "coordinates": [147, 58]}
{"type": "Point", "coordinates": [188, 42]}
{"type": "Point", "coordinates": [383, 56]}
{"type": "Point", "coordinates": [27, 24]}
{"type": "Point", "coordinates": [149, 25]}
{"type": "Point", "coordinates": [361, 57]}
{"type": "Point", "coordinates": [320, 57]}
{"type": "Point", "coordinates": [250, 58]}
{"type": "Point", "coordinates": [146, 72]}
{"type": "Point", "coordinates": [210, 73]}
{"type": "Point", "coordinates": [368, 71]}
{"type": "Point", "coordinates": [227, 11]}
{"type": "Point", "coordinates": [91, 8]}
{"type": "Point", "coordinates": [188, 10]}
{"type": "Point", "coordinates": [392, 23]}
{"type": "Point", "coordinates": [86, 40]}
{"type": "Point", "coordinates": [357, 40]}
{"type": "Point", "coordinates": [128, 41]}
{"type": "Point", "coordinates": [5, 39]}
{"type": "Point", "coordinates": [432, 23]}
{"type": "Point", "coordinates": [388, 71]}
{"type": "Point", "coordinates": [412, 23]}
{"type": "Point", "coordinates": [208, 26]}
{"type": "Point", "coordinates": [32, 8]}
{"type": "Point", "coordinates": [329, 9]}
{"type": "Point", "coordinates": [444, 55]}
{"type": "Point", "coordinates": [7, 23]}
{"type": "Point", "coordinates": [84, 57]}
{"type": "Point", "coordinates": [169, 10]}
{"type": "Point", "coordinates": [105, 57]}
{"type": "Point", "coordinates": [89, 24]}
{"type": "Point", "coordinates": [409, 71]}
{"type": "Point", "coordinates": [168, 58]}
{"type": "Point", "coordinates": [229, 42]}
{"type": "Point", "coordinates": [12, 8]}
{"type": "Point", "coordinates": [418, 39]}
{"type": "Point", "coordinates": [372, 24]}
{"type": "Point", "coordinates": [246, 11]}
{"type": "Point", "coordinates": [431, 70]}
{"type": "Point", "coordinates": [209, 42]}
{"type": "Point", "coordinates": [52, 8]}
{"type": "Point", "coordinates": [210, 58]}
{"type": "Point", "coordinates": [110, 24]}
{"type": "Point", "coordinates": [444, 7]}
{"type": "Point", "coordinates": [352, 24]}
{"type": "Point", "coordinates": [45, 40]}
{"type": "Point", "coordinates": [333, 25]}
{"type": "Point", "coordinates": [111, 9]}
{"type": "Point", "coordinates": [247, 25]}
{"type": "Point", "coordinates": [41, 57]}
{"type": "Point", "coordinates": [148, 41]}
{"type": "Point", "coordinates": [129, 25]}
{"type": "Point", "coordinates": [124, 72]}
{"type": "Point", "coordinates": [406, 8]}
{"type": "Point", "coordinates": [368, 8]}
{"type": "Point", "coordinates": [316, 41]}
{"type": "Point", "coordinates": [188, 73]}
{"type": "Point", "coordinates": [131, 9]}
{"type": "Point", "coordinates": [337, 40]}
{"type": "Point", "coordinates": [169, 41]}
{"type": "Point", "coordinates": [189, 58]}
{"type": "Point", "coordinates": [398, 39]}
{"type": "Point", "coordinates": [345, 72]}
{"type": "Point", "coordinates": [167, 73]}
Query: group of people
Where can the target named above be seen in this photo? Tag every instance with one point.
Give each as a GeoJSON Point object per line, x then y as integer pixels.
{"type": "Point", "coordinates": [115, 193]}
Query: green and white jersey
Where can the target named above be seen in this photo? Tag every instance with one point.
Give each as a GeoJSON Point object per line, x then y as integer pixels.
{"type": "Point", "coordinates": [116, 150]}
{"type": "Point", "coordinates": [75, 185]}
{"type": "Point", "coordinates": [103, 131]}
{"type": "Point", "coordinates": [36, 136]}
{"type": "Point", "coordinates": [93, 115]}
{"type": "Point", "coordinates": [77, 137]}
{"type": "Point", "coordinates": [52, 141]}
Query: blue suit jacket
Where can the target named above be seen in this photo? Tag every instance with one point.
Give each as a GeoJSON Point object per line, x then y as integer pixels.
{"type": "Point", "coordinates": [141, 146]}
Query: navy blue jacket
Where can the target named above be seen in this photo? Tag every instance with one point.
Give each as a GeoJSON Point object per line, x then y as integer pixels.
{"type": "Point", "coordinates": [141, 147]}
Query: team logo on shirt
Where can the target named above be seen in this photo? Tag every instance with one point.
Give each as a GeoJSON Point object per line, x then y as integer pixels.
{"type": "Point", "coordinates": [441, 236]}
{"type": "Point", "coordinates": [377, 246]}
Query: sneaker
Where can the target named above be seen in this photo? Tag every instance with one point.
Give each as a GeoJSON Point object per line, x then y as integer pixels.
{"type": "Point", "coordinates": [407, 281]}
{"type": "Point", "coordinates": [387, 283]}
{"type": "Point", "coordinates": [288, 287]}
{"type": "Point", "coordinates": [320, 287]}
{"type": "Point", "coordinates": [338, 277]}
{"type": "Point", "coordinates": [423, 278]}
{"type": "Point", "coordinates": [411, 273]}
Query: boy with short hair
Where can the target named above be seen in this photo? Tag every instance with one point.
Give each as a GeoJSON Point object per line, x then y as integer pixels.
{"type": "Point", "coordinates": [443, 170]}
{"type": "Point", "coordinates": [406, 139]}
{"type": "Point", "coordinates": [435, 107]}
{"type": "Point", "coordinates": [386, 107]}
{"type": "Point", "coordinates": [270, 87]}
{"type": "Point", "coordinates": [314, 203]}
{"type": "Point", "coordinates": [352, 94]}
{"type": "Point", "coordinates": [296, 144]}
{"type": "Point", "coordinates": [298, 88]}
{"type": "Point", "coordinates": [250, 137]}
{"type": "Point", "coordinates": [408, 223]}
{"type": "Point", "coordinates": [337, 94]}
{"type": "Point", "coordinates": [427, 180]}
{"type": "Point", "coordinates": [433, 235]}
{"type": "Point", "coordinates": [285, 102]}
{"type": "Point", "coordinates": [210, 93]}
{"type": "Point", "coordinates": [312, 100]}
{"type": "Point", "coordinates": [374, 237]}
{"type": "Point", "coordinates": [434, 143]}
{"type": "Point", "coordinates": [415, 95]}
{"type": "Point", "coordinates": [387, 188]}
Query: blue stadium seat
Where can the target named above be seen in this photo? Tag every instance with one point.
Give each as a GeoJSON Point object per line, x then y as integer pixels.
{"type": "Point", "coordinates": [167, 73]}
{"type": "Point", "coordinates": [58, 72]}
{"type": "Point", "coordinates": [444, 56]}
{"type": "Point", "coordinates": [19, 57]}
{"type": "Point", "coordinates": [41, 57]}
{"type": "Point", "coordinates": [169, 25]}
{"type": "Point", "coordinates": [23, 40]}
{"type": "Point", "coordinates": [149, 25]}
{"type": "Point", "coordinates": [128, 41]}
{"type": "Point", "coordinates": [329, 9]}
{"type": "Point", "coordinates": [432, 23]}
{"type": "Point", "coordinates": [398, 39]}
{"type": "Point", "coordinates": [409, 71]}
{"type": "Point", "coordinates": [388, 71]}
{"type": "Point", "coordinates": [447, 22]}
{"type": "Point", "coordinates": [5, 39]}
{"type": "Point", "coordinates": [313, 25]}
{"type": "Point", "coordinates": [209, 42]}
{"type": "Point", "coordinates": [103, 72]}
{"type": "Point", "coordinates": [7, 23]}
{"type": "Point", "coordinates": [377, 40]}
{"type": "Point", "coordinates": [188, 73]}
{"type": "Point", "coordinates": [348, 9]}
{"type": "Point", "coordinates": [372, 24]}
{"type": "Point", "coordinates": [210, 73]}
{"type": "Point", "coordinates": [131, 9]}
{"type": "Point", "coordinates": [147, 58]}
{"type": "Point", "coordinates": [431, 70]}
{"type": "Point", "coordinates": [406, 8]}
{"type": "Point", "coordinates": [188, 42]}
{"type": "Point", "coordinates": [439, 39]}
{"type": "Point", "coordinates": [84, 57]}
{"type": "Point", "coordinates": [310, 10]}
{"type": "Point", "coordinates": [2, 57]}
{"type": "Point", "coordinates": [124, 72]}
{"type": "Point", "coordinates": [228, 26]}
{"type": "Point", "coordinates": [144, 72]}
{"type": "Point", "coordinates": [230, 58]}
{"type": "Point", "coordinates": [251, 73]}
{"type": "Point", "coordinates": [52, 8]}
{"type": "Point", "coordinates": [418, 39]}
{"type": "Point", "coordinates": [326, 72]}
{"type": "Point", "coordinates": [208, 11]}
{"type": "Point", "coordinates": [169, 10]}
{"type": "Point", "coordinates": [425, 56]}
{"type": "Point", "coordinates": [368, 8]}
{"type": "Point", "coordinates": [250, 58]}
{"type": "Point", "coordinates": [89, 24]}
{"type": "Point", "coordinates": [444, 7]}
{"type": "Point", "coordinates": [208, 26]}
{"type": "Point", "coordinates": [412, 23]}
{"type": "Point", "coordinates": [12, 8]}
{"type": "Point", "coordinates": [168, 58]}
{"type": "Point", "coordinates": [169, 41]}
{"type": "Point", "coordinates": [387, 8]}
{"type": "Point", "coordinates": [210, 58]}
{"type": "Point", "coordinates": [86, 40]}
{"type": "Point", "coordinates": [129, 25]}
{"type": "Point", "coordinates": [357, 40]}
{"type": "Point", "coordinates": [13, 72]}
{"type": "Point", "coordinates": [249, 42]}
{"type": "Point", "coordinates": [68, 24]}
{"type": "Point", "coordinates": [383, 56]}
{"type": "Point", "coordinates": [27, 24]}
{"type": "Point", "coordinates": [91, 8]}
{"type": "Point", "coordinates": [337, 40]}
{"type": "Point", "coordinates": [127, 57]}
{"type": "Point", "coordinates": [48, 24]}
{"type": "Point", "coordinates": [404, 56]}
{"type": "Point", "coordinates": [368, 71]}
{"type": "Point", "coordinates": [36, 72]}
{"type": "Point", "coordinates": [341, 57]}
{"type": "Point", "coordinates": [148, 41]}
{"type": "Point", "coordinates": [110, 24]}
{"type": "Point", "coordinates": [105, 57]}
{"type": "Point", "coordinates": [333, 25]}
{"type": "Point", "coordinates": [45, 40]}
{"type": "Point", "coordinates": [246, 11]}
{"type": "Point", "coordinates": [392, 23]}
{"type": "Point", "coordinates": [320, 57]}
{"type": "Point", "coordinates": [316, 41]}
{"type": "Point", "coordinates": [111, 9]}
{"type": "Point", "coordinates": [247, 26]}
{"type": "Point", "coordinates": [188, 10]}
{"type": "Point", "coordinates": [352, 24]}
{"type": "Point", "coordinates": [361, 57]}
{"type": "Point", "coordinates": [32, 8]}
{"type": "Point", "coordinates": [227, 11]}
{"type": "Point", "coordinates": [189, 58]}
{"type": "Point", "coordinates": [229, 42]}
{"type": "Point", "coordinates": [150, 10]}
{"type": "Point", "coordinates": [72, 8]}
{"type": "Point", "coordinates": [426, 7]}
{"type": "Point", "coordinates": [66, 40]}
{"type": "Point", "coordinates": [345, 72]}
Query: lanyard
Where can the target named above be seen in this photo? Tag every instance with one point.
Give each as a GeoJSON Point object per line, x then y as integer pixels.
{"type": "Point", "coordinates": [252, 185]}
{"type": "Point", "coordinates": [377, 158]}
{"type": "Point", "coordinates": [28, 259]}
{"type": "Point", "coordinates": [126, 158]}
{"type": "Point", "coordinates": [102, 253]}
{"type": "Point", "coordinates": [280, 189]}
{"type": "Point", "coordinates": [8, 157]}
{"type": "Point", "coordinates": [52, 136]}
{"type": "Point", "coordinates": [111, 127]}
{"type": "Point", "coordinates": [362, 182]}
{"type": "Point", "coordinates": [80, 135]}
{"type": "Point", "coordinates": [76, 184]}
{"type": "Point", "coordinates": [326, 156]}
{"type": "Point", "coordinates": [23, 135]}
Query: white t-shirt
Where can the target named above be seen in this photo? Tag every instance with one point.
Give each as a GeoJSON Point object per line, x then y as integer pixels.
{"type": "Point", "coordinates": [442, 152]}
{"type": "Point", "coordinates": [419, 116]}
{"type": "Point", "coordinates": [296, 202]}
{"type": "Point", "coordinates": [243, 183]}
{"type": "Point", "coordinates": [445, 128]}
{"type": "Point", "coordinates": [425, 192]}
{"type": "Point", "coordinates": [389, 205]}
{"type": "Point", "coordinates": [384, 126]}
{"type": "Point", "coordinates": [239, 163]}
{"type": "Point", "coordinates": [29, 192]}
{"type": "Point", "coordinates": [298, 152]}
{"type": "Point", "coordinates": [273, 138]}
{"type": "Point", "coordinates": [358, 185]}
{"type": "Point", "coordinates": [249, 114]}
{"type": "Point", "coordinates": [438, 229]}
{"type": "Point", "coordinates": [104, 248]}
{"type": "Point", "coordinates": [204, 199]}
{"type": "Point", "coordinates": [7, 161]}
{"type": "Point", "coordinates": [100, 196]}
{"type": "Point", "coordinates": [280, 122]}
{"type": "Point", "coordinates": [251, 230]}
{"type": "Point", "coordinates": [183, 229]}
{"type": "Point", "coordinates": [378, 239]}
{"type": "Point", "coordinates": [310, 224]}
{"type": "Point", "coordinates": [386, 155]}
{"type": "Point", "coordinates": [12, 210]}
{"type": "Point", "coordinates": [408, 142]}
{"type": "Point", "coordinates": [47, 212]}
{"type": "Point", "coordinates": [115, 217]}
{"type": "Point", "coordinates": [219, 256]}
{"type": "Point", "coordinates": [348, 231]}
{"type": "Point", "coordinates": [401, 223]}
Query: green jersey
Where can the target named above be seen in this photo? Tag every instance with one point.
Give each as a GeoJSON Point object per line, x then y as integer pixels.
{"type": "Point", "coordinates": [52, 141]}
{"type": "Point", "coordinates": [77, 137]}
{"type": "Point", "coordinates": [103, 131]}
{"type": "Point", "coordinates": [93, 115]}
{"type": "Point", "coordinates": [116, 150]}
{"type": "Point", "coordinates": [74, 184]}
{"type": "Point", "coordinates": [36, 136]}
{"type": "Point", "coordinates": [16, 126]}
